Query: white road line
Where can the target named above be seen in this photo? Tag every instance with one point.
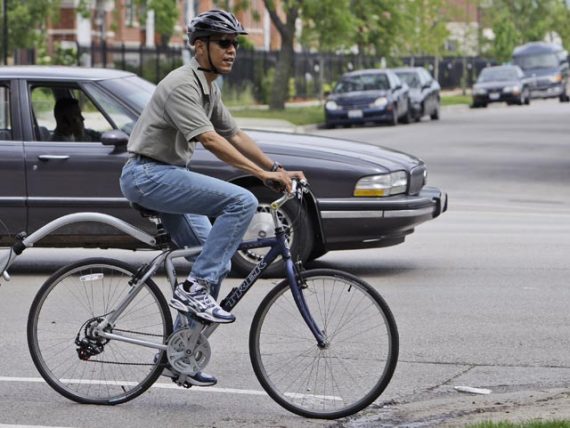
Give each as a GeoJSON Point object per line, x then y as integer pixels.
{"type": "Point", "coordinates": [156, 385]}
{"type": "Point", "coordinates": [28, 426]}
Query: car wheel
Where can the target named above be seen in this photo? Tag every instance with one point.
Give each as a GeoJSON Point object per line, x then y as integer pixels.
{"type": "Point", "coordinates": [407, 117]}
{"type": "Point", "coordinates": [527, 97]}
{"type": "Point", "coordinates": [564, 98]}
{"type": "Point", "coordinates": [435, 113]}
{"type": "Point", "coordinates": [292, 215]}
{"type": "Point", "coordinates": [394, 119]}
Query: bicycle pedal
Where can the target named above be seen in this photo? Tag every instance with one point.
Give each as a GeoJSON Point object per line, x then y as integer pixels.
{"type": "Point", "coordinates": [184, 384]}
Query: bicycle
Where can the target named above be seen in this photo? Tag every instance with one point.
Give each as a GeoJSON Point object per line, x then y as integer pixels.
{"type": "Point", "coordinates": [323, 343]}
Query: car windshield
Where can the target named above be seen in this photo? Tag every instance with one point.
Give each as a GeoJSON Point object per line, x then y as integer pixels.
{"type": "Point", "coordinates": [527, 62]}
{"type": "Point", "coordinates": [133, 89]}
{"type": "Point", "coordinates": [362, 82]}
{"type": "Point", "coordinates": [411, 79]}
{"type": "Point", "coordinates": [497, 74]}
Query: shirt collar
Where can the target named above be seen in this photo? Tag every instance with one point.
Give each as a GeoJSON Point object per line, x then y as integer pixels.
{"type": "Point", "coordinates": [200, 75]}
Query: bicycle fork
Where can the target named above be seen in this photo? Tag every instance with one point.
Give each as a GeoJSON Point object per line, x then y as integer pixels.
{"type": "Point", "coordinates": [295, 284]}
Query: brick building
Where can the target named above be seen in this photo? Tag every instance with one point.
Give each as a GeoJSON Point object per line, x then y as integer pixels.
{"type": "Point", "coordinates": [117, 22]}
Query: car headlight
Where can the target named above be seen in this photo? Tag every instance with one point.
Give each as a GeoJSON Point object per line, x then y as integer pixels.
{"type": "Point", "coordinates": [556, 78]}
{"type": "Point", "coordinates": [380, 102]}
{"type": "Point", "coordinates": [512, 89]}
{"type": "Point", "coordinates": [331, 105]}
{"type": "Point", "coordinates": [479, 91]}
{"type": "Point", "coordinates": [382, 185]}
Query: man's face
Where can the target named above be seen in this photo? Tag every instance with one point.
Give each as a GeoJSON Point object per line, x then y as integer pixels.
{"type": "Point", "coordinates": [223, 50]}
{"type": "Point", "coordinates": [76, 121]}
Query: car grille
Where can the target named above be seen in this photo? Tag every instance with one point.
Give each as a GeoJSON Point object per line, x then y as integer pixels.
{"type": "Point", "coordinates": [416, 180]}
{"type": "Point", "coordinates": [358, 105]}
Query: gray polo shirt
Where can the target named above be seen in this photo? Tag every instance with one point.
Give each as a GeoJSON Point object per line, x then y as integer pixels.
{"type": "Point", "coordinates": [182, 107]}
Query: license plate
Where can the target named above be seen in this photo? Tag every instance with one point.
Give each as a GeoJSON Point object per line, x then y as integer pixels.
{"type": "Point", "coordinates": [494, 96]}
{"type": "Point", "coordinates": [355, 114]}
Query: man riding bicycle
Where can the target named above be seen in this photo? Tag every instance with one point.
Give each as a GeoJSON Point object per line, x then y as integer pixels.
{"type": "Point", "coordinates": [186, 108]}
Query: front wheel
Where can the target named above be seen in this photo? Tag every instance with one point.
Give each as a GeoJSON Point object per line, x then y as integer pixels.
{"type": "Point", "coordinates": [74, 361]}
{"type": "Point", "coordinates": [345, 376]}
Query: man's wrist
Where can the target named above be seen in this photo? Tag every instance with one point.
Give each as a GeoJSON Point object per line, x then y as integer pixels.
{"type": "Point", "coordinates": [276, 166]}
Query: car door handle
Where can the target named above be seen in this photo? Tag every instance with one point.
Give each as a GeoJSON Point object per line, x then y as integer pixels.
{"type": "Point", "coordinates": [53, 157]}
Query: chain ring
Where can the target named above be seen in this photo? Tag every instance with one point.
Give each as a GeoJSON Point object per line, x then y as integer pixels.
{"type": "Point", "coordinates": [187, 361]}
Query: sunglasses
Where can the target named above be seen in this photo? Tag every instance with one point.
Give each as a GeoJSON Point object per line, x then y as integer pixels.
{"type": "Point", "coordinates": [225, 44]}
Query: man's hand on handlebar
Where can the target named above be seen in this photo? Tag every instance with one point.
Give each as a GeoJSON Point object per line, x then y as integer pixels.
{"type": "Point", "coordinates": [280, 180]}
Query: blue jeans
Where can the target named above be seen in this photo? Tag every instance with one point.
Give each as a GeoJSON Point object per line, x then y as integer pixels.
{"type": "Point", "coordinates": [185, 200]}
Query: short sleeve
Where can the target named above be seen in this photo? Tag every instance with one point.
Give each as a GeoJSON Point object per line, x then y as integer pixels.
{"type": "Point", "coordinates": [184, 111]}
{"type": "Point", "coordinates": [223, 122]}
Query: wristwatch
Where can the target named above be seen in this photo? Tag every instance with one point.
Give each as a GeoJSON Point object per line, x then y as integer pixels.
{"type": "Point", "coordinates": [276, 165]}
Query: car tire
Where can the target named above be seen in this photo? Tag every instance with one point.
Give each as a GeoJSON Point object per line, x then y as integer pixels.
{"type": "Point", "coordinates": [564, 98]}
{"type": "Point", "coordinates": [292, 214]}
{"type": "Point", "coordinates": [435, 113]}
{"type": "Point", "coordinates": [407, 117]}
{"type": "Point", "coordinates": [527, 98]}
{"type": "Point", "coordinates": [394, 119]}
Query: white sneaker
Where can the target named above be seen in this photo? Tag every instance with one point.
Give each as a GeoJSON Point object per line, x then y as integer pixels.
{"type": "Point", "coordinates": [201, 303]}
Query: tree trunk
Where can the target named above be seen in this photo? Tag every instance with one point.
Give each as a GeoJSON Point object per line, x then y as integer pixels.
{"type": "Point", "coordinates": [283, 72]}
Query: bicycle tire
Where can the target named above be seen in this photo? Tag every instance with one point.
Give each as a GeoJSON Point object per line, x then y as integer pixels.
{"type": "Point", "coordinates": [66, 301]}
{"type": "Point", "coordinates": [351, 372]}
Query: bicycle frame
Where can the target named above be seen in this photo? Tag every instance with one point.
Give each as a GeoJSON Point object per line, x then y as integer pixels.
{"type": "Point", "coordinates": [278, 247]}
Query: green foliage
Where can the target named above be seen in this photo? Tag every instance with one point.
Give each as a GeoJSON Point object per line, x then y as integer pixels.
{"type": "Point", "coordinates": [27, 22]}
{"type": "Point", "coordinates": [423, 30]}
{"type": "Point", "coordinates": [61, 55]}
{"type": "Point", "coordinates": [377, 25]}
{"type": "Point", "coordinates": [266, 85]}
{"type": "Point", "coordinates": [165, 16]}
{"type": "Point", "coordinates": [327, 25]}
{"type": "Point", "coordinates": [522, 21]}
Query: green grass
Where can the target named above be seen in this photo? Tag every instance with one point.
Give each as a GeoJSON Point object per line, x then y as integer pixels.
{"type": "Point", "coordinates": [529, 424]}
{"type": "Point", "coordinates": [296, 115]}
{"type": "Point", "coordinates": [448, 100]}
{"type": "Point", "coordinates": [300, 116]}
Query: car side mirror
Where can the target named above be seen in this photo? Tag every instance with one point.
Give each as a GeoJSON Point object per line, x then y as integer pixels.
{"type": "Point", "coordinates": [398, 88]}
{"type": "Point", "coordinates": [115, 138]}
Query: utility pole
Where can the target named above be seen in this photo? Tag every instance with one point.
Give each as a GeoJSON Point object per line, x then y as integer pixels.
{"type": "Point", "coordinates": [5, 35]}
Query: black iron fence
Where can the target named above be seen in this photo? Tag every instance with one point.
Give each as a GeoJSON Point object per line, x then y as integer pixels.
{"type": "Point", "coordinates": [314, 73]}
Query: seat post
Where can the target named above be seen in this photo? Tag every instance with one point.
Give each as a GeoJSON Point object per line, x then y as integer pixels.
{"type": "Point", "coordinates": [162, 237]}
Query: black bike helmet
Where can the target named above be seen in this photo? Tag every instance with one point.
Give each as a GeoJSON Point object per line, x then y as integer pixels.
{"type": "Point", "coordinates": [213, 22]}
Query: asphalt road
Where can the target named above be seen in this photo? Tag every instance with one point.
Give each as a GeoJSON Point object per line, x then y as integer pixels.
{"type": "Point", "coordinates": [480, 294]}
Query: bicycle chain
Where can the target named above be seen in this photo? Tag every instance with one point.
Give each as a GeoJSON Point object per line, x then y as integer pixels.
{"type": "Point", "coordinates": [129, 364]}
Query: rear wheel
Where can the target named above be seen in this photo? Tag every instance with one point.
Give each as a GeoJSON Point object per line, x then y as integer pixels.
{"type": "Point", "coordinates": [293, 215]}
{"type": "Point", "coordinates": [71, 358]}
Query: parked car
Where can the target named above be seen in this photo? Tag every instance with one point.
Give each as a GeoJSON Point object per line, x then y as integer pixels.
{"type": "Point", "coordinates": [424, 91]}
{"type": "Point", "coordinates": [368, 96]}
{"type": "Point", "coordinates": [501, 83]}
{"type": "Point", "coordinates": [546, 67]}
{"type": "Point", "coordinates": [361, 196]}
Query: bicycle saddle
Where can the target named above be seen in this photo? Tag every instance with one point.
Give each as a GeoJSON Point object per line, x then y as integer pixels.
{"type": "Point", "coordinates": [145, 212]}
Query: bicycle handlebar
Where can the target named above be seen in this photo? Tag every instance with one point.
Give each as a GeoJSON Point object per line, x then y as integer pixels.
{"type": "Point", "coordinates": [298, 187]}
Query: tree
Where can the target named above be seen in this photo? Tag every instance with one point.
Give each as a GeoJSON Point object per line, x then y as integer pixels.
{"type": "Point", "coordinates": [27, 22]}
{"type": "Point", "coordinates": [423, 28]}
{"type": "Point", "coordinates": [165, 16]}
{"type": "Point", "coordinates": [522, 21]}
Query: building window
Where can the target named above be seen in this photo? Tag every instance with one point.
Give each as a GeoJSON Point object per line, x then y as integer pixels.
{"type": "Point", "coordinates": [130, 10]}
